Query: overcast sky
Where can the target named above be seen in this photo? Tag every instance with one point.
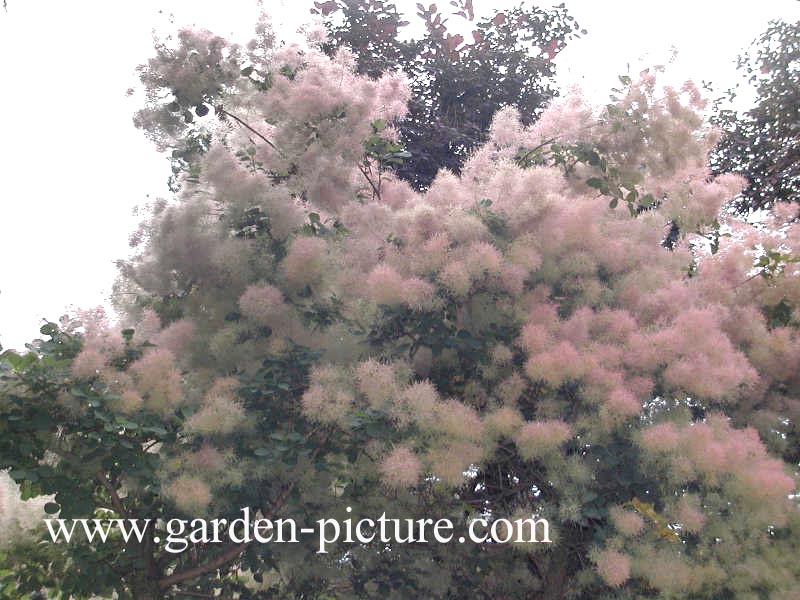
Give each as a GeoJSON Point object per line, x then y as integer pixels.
{"type": "Point", "coordinates": [72, 166]}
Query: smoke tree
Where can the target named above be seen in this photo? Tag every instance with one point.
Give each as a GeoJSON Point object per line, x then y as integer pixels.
{"type": "Point", "coordinates": [304, 332]}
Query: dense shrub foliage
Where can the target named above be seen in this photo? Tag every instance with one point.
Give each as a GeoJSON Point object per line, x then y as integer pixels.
{"type": "Point", "coordinates": [305, 332]}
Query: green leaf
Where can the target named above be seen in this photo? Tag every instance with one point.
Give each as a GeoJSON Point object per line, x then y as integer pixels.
{"type": "Point", "coordinates": [595, 182]}
{"type": "Point", "coordinates": [261, 452]}
{"type": "Point", "coordinates": [49, 329]}
{"type": "Point", "coordinates": [19, 475]}
{"type": "Point", "coordinates": [613, 203]}
{"type": "Point", "coordinates": [647, 201]}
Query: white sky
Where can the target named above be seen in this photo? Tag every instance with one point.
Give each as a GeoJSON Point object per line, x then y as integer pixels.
{"type": "Point", "coordinates": [72, 165]}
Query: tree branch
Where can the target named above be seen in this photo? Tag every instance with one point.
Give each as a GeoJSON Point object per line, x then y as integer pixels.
{"type": "Point", "coordinates": [247, 126]}
{"type": "Point", "coordinates": [376, 191]}
{"type": "Point", "coordinates": [229, 555]}
{"type": "Point", "coordinates": [232, 553]}
{"type": "Point", "coordinates": [116, 502]}
{"type": "Point", "coordinates": [193, 594]}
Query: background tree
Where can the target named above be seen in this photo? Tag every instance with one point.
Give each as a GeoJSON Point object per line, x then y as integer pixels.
{"type": "Point", "coordinates": [763, 143]}
{"type": "Point", "coordinates": [305, 332]}
{"type": "Point", "coordinates": [457, 84]}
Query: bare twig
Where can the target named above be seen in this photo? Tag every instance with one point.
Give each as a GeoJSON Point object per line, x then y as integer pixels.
{"type": "Point", "coordinates": [753, 276]}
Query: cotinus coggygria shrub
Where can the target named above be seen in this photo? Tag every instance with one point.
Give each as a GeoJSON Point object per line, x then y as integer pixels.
{"type": "Point", "coordinates": [573, 328]}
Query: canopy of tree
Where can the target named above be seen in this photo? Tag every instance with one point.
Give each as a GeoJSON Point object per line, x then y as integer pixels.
{"type": "Point", "coordinates": [763, 143]}
{"type": "Point", "coordinates": [303, 331]}
{"type": "Point", "coordinates": [456, 84]}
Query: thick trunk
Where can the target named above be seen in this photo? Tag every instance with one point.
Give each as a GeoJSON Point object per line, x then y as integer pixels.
{"type": "Point", "coordinates": [145, 582]}
{"type": "Point", "coordinates": [146, 589]}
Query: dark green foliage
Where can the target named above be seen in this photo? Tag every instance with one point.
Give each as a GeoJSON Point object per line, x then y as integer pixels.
{"type": "Point", "coordinates": [763, 143]}
{"type": "Point", "coordinates": [457, 85]}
